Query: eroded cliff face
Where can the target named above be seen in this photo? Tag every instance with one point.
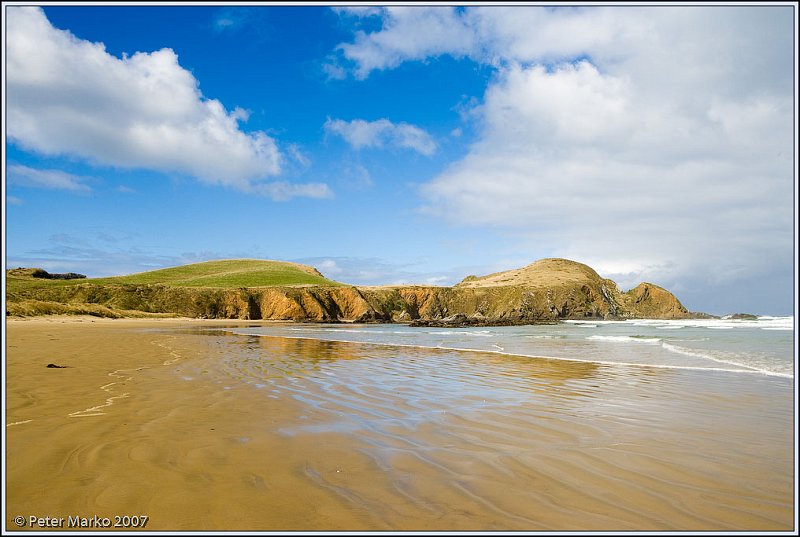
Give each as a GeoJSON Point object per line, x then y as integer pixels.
{"type": "Point", "coordinates": [547, 290]}
{"type": "Point", "coordinates": [652, 301]}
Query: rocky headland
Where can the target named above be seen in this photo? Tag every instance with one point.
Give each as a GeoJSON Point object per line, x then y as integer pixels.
{"type": "Point", "coordinates": [547, 290]}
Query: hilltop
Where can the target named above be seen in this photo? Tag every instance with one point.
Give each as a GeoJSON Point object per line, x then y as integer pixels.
{"type": "Point", "coordinates": [194, 290]}
{"type": "Point", "coordinates": [544, 291]}
{"type": "Point", "coordinates": [226, 273]}
{"type": "Point", "coordinates": [569, 289]}
{"type": "Point", "coordinates": [543, 273]}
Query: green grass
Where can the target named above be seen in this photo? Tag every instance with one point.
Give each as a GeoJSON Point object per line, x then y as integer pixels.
{"type": "Point", "coordinates": [16, 284]}
{"type": "Point", "coordinates": [230, 273]}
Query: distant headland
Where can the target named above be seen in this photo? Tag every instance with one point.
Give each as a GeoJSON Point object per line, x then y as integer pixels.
{"type": "Point", "coordinates": [547, 290]}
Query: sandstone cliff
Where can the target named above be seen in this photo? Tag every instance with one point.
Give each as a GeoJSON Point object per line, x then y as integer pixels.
{"type": "Point", "coordinates": [547, 290]}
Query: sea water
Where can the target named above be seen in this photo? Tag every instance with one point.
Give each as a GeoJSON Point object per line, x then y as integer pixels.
{"type": "Point", "coordinates": [762, 346]}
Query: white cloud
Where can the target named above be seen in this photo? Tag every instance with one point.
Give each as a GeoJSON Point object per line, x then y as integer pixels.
{"type": "Point", "coordinates": [329, 267]}
{"type": "Point", "coordinates": [355, 176]}
{"type": "Point", "coordinates": [20, 175]}
{"type": "Point", "coordinates": [67, 96]}
{"type": "Point", "coordinates": [652, 143]}
{"type": "Point", "coordinates": [408, 33]}
{"type": "Point", "coordinates": [358, 11]}
{"type": "Point", "coordinates": [333, 70]}
{"type": "Point", "coordinates": [411, 137]}
{"type": "Point", "coordinates": [708, 43]}
{"type": "Point", "coordinates": [493, 35]}
{"type": "Point", "coordinates": [233, 19]}
{"type": "Point", "coordinates": [298, 155]}
{"type": "Point", "coordinates": [283, 191]}
{"type": "Point", "coordinates": [359, 133]}
{"type": "Point", "coordinates": [375, 271]}
{"type": "Point", "coordinates": [240, 114]}
{"type": "Point", "coordinates": [382, 132]}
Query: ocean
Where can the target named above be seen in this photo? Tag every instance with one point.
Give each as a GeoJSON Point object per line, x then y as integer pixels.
{"type": "Point", "coordinates": [761, 346]}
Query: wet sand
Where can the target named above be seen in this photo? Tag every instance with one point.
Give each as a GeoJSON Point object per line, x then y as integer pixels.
{"type": "Point", "coordinates": [200, 429]}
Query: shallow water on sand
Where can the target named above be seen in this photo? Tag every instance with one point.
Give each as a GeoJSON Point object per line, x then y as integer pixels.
{"type": "Point", "coordinates": [516, 442]}
{"type": "Point", "coordinates": [762, 346]}
{"type": "Point", "coordinates": [225, 430]}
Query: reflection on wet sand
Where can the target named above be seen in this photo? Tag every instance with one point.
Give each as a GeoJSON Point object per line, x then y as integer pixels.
{"type": "Point", "coordinates": [246, 432]}
{"type": "Point", "coordinates": [450, 411]}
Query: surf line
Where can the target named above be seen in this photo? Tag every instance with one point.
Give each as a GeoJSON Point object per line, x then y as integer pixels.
{"type": "Point", "coordinates": [603, 362]}
{"type": "Point", "coordinates": [687, 352]}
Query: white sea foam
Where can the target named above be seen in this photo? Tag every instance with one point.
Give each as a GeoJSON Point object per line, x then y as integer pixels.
{"type": "Point", "coordinates": [482, 333]}
{"type": "Point", "coordinates": [353, 331]}
{"type": "Point", "coordinates": [347, 330]}
{"type": "Point", "coordinates": [715, 356]}
{"type": "Point", "coordinates": [589, 323]}
{"type": "Point", "coordinates": [626, 339]}
{"type": "Point", "coordinates": [764, 322]}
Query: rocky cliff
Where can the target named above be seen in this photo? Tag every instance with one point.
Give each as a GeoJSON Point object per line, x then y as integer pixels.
{"type": "Point", "coordinates": [547, 290]}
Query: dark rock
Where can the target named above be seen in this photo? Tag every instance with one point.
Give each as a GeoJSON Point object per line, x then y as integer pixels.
{"type": "Point", "coordinates": [702, 315]}
{"type": "Point", "coordinates": [54, 366]}
{"type": "Point", "coordinates": [743, 316]}
{"type": "Point", "coordinates": [41, 273]}
{"type": "Point", "coordinates": [462, 321]}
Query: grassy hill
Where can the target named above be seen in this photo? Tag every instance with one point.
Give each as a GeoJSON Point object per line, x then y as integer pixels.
{"type": "Point", "coordinates": [225, 274]}
{"type": "Point", "coordinates": [544, 273]}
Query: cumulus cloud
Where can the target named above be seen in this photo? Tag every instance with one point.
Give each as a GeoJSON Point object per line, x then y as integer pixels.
{"type": "Point", "coordinates": [618, 37]}
{"type": "Point", "coordinates": [359, 11]}
{"type": "Point", "coordinates": [20, 175]}
{"type": "Point", "coordinates": [493, 35]}
{"type": "Point", "coordinates": [408, 33]}
{"type": "Point", "coordinates": [68, 96]}
{"type": "Point", "coordinates": [380, 133]}
{"type": "Point", "coordinates": [651, 143]}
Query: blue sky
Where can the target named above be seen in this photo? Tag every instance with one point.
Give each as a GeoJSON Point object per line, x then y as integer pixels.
{"type": "Point", "coordinates": [408, 144]}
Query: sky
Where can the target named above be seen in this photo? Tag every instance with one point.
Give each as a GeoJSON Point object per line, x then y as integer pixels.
{"type": "Point", "coordinates": [409, 144]}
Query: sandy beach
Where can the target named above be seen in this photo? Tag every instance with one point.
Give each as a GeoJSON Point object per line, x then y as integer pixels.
{"type": "Point", "coordinates": [200, 429]}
